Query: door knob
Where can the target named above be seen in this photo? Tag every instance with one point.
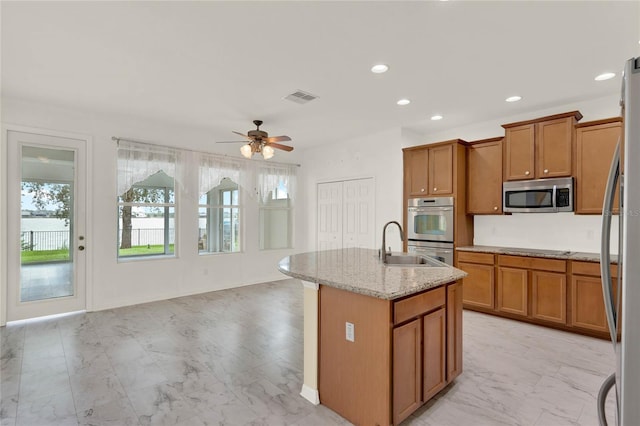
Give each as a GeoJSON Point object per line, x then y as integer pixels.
{"type": "Point", "coordinates": [80, 248]}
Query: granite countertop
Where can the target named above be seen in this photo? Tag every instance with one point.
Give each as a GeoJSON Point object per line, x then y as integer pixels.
{"type": "Point", "coordinates": [552, 254]}
{"type": "Point", "coordinates": [360, 271]}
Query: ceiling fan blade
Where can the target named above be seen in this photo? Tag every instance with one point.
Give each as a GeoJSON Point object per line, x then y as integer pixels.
{"type": "Point", "coordinates": [238, 133]}
{"type": "Point", "coordinates": [231, 142]}
{"type": "Point", "coordinates": [279, 146]}
{"type": "Point", "coordinates": [277, 139]}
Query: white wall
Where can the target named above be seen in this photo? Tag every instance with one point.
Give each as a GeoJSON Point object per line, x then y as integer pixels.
{"type": "Point", "coordinates": [378, 156]}
{"type": "Point", "coordinates": [114, 284]}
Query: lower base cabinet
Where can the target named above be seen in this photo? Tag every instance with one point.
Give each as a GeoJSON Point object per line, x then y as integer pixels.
{"type": "Point", "coordinates": [407, 370]}
{"type": "Point", "coordinates": [549, 296]}
{"type": "Point", "coordinates": [513, 293]}
{"type": "Point", "coordinates": [587, 302]}
{"type": "Point", "coordinates": [403, 352]}
{"type": "Point", "coordinates": [564, 294]}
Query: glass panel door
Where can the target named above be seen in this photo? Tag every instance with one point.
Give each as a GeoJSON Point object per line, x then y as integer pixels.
{"type": "Point", "coordinates": [46, 253]}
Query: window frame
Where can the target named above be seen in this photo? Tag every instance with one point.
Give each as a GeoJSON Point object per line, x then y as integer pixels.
{"type": "Point", "coordinates": [214, 216]}
{"type": "Point", "coordinates": [166, 206]}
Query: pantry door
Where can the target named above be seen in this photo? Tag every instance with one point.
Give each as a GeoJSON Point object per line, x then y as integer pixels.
{"type": "Point", "coordinates": [46, 225]}
{"type": "Point", "coordinates": [346, 214]}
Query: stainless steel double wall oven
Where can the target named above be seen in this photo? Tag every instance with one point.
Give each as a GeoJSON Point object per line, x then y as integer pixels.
{"type": "Point", "coordinates": [430, 227]}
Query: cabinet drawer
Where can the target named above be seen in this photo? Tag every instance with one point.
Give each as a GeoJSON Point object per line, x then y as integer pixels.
{"type": "Point", "coordinates": [591, 268]}
{"type": "Point", "coordinates": [485, 258]}
{"type": "Point", "coordinates": [542, 264]}
{"type": "Point", "coordinates": [416, 305]}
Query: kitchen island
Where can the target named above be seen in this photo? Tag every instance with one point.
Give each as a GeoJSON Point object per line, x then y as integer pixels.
{"type": "Point", "coordinates": [379, 340]}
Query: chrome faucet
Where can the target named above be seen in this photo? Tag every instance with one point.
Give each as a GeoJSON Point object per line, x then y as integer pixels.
{"type": "Point", "coordinates": [383, 251]}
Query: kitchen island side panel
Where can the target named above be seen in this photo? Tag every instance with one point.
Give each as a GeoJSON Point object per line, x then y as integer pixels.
{"type": "Point", "coordinates": [355, 377]}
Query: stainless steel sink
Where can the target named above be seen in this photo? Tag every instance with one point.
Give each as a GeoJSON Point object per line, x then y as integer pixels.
{"type": "Point", "coordinates": [411, 260]}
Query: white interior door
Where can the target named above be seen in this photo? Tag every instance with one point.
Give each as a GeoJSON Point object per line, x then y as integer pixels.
{"type": "Point", "coordinates": [358, 213]}
{"type": "Point", "coordinates": [46, 225]}
{"type": "Point", "coordinates": [346, 214]}
{"type": "Point", "coordinates": [329, 215]}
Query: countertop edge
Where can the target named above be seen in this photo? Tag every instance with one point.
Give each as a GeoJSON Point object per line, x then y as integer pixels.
{"type": "Point", "coordinates": [550, 254]}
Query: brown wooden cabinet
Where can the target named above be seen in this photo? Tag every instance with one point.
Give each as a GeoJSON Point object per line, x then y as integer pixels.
{"type": "Point", "coordinates": [595, 145]}
{"type": "Point", "coordinates": [532, 287]}
{"type": "Point", "coordinates": [587, 303]}
{"type": "Point", "coordinates": [416, 175]}
{"type": "Point", "coordinates": [478, 286]}
{"type": "Point", "coordinates": [403, 352]}
{"type": "Point", "coordinates": [434, 372]}
{"type": "Point", "coordinates": [441, 170]}
{"type": "Point", "coordinates": [564, 294]}
{"type": "Point", "coordinates": [513, 293]}
{"type": "Point", "coordinates": [484, 177]}
{"type": "Point", "coordinates": [540, 148]}
{"type": "Point", "coordinates": [407, 369]}
{"type": "Point", "coordinates": [549, 296]}
{"type": "Point", "coordinates": [428, 170]}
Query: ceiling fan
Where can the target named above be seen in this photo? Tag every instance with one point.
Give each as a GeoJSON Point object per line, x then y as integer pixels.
{"type": "Point", "coordinates": [259, 141]}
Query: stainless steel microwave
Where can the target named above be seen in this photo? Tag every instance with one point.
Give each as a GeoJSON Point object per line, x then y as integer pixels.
{"type": "Point", "coordinates": [538, 196]}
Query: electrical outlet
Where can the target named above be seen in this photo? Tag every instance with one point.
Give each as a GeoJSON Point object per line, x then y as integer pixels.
{"type": "Point", "coordinates": [350, 332]}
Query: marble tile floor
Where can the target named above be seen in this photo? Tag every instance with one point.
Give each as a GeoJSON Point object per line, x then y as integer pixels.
{"type": "Point", "coordinates": [234, 357]}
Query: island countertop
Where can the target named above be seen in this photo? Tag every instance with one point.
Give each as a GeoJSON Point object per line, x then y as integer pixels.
{"type": "Point", "coordinates": [360, 271]}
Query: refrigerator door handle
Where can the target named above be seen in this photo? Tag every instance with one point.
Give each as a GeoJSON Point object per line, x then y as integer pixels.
{"type": "Point", "coordinates": [605, 254]}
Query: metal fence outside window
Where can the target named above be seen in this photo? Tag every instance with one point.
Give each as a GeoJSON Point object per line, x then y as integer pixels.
{"type": "Point", "coordinates": [44, 240]}
{"type": "Point", "coordinates": [59, 240]}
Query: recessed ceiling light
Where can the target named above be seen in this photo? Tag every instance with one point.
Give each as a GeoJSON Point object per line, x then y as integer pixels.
{"type": "Point", "coordinates": [605, 76]}
{"type": "Point", "coordinates": [403, 102]}
{"type": "Point", "coordinates": [436, 117]}
{"type": "Point", "coordinates": [379, 68]}
{"type": "Point", "coordinates": [513, 98]}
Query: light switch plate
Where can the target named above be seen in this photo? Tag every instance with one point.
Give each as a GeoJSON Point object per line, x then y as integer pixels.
{"type": "Point", "coordinates": [350, 332]}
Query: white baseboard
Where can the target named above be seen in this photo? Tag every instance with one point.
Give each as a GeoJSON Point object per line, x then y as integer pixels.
{"type": "Point", "coordinates": [310, 395]}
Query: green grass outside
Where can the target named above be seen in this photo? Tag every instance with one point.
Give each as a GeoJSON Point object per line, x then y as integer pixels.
{"type": "Point", "coordinates": [44, 256]}
{"type": "Point", "coordinates": [144, 250]}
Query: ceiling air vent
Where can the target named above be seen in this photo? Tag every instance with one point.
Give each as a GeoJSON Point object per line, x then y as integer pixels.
{"type": "Point", "coordinates": [300, 97]}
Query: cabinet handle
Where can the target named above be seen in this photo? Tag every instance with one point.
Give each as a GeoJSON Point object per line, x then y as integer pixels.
{"type": "Point", "coordinates": [526, 173]}
{"type": "Point", "coordinates": [421, 189]}
{"type": "Point", "coordinates": [495, 208]}
{"type": "Point", "coordinates": [546, 171]}
{"type": "Point", "coordinates": [435, 189]}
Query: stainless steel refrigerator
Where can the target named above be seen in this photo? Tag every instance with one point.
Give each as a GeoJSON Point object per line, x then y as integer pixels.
{"type": "Point", "coordinates": [623, 307]}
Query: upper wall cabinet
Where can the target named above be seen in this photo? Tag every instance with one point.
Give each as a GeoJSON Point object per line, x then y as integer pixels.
{"type": "Point", "coordinates": [484, 177]}
{"type": "Point", "coordinates": [540, 148]}
{"type": "Point", "coordinates": [595, 145]}
{"type": "Point", "coordinates": [428, 170]}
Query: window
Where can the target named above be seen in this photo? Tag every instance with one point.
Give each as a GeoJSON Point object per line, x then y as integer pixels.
{"type": "Point", "coordinates": [146, 214]}
{"type": "Point", "coordinates": [276, 188]}
{"type": "Point", "coordinates": [146, 200]}
{"type": "Point", "coordinates": [219, 206]}
{"type": "Point", "coordinates": [219, 229]}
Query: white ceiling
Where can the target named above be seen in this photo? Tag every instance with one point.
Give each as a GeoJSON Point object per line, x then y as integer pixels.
{"type": "Point", "coordinates": [220, 65]}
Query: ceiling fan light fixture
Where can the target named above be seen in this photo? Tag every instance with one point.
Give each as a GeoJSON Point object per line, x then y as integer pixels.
{"type": "Point", "coordinates": [246, 151]}
{"type": "Point", "coordinates": [268, 152]}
